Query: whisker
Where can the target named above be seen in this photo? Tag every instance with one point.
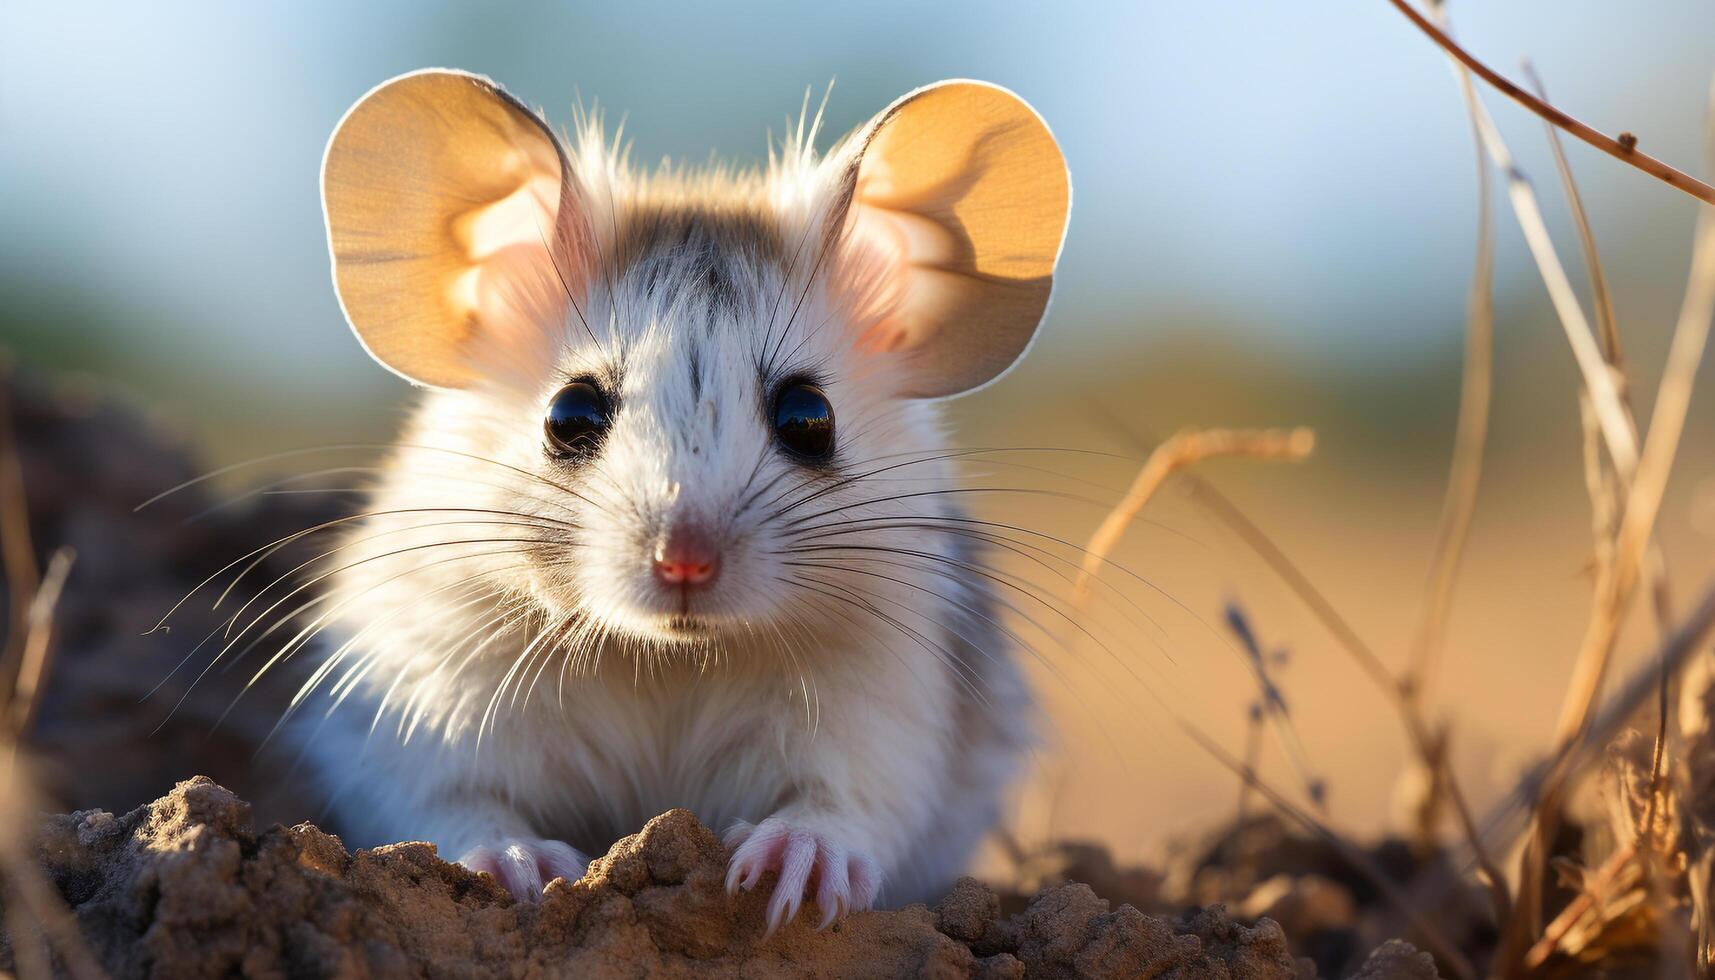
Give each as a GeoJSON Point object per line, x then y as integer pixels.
{"type": "Point", "coordinates": [296, 535]}
{"type": "Point", "coordinates": [979, 531]}
{"type": "Point", "coordinates": [353, 447]}
{"type": "Point", "coordinates": [968, 609]}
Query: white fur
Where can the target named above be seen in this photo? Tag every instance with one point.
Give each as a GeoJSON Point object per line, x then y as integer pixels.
{"type": "Point", "coordinates": [521, 686]}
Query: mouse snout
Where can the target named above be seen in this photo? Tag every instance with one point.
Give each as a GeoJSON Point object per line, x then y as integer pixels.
{"type": "Point", "coordinates": [686, 556]}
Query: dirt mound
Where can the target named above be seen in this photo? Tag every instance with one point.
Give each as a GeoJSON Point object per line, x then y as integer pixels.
{"type": "Point", "coordinates": [184, 887]}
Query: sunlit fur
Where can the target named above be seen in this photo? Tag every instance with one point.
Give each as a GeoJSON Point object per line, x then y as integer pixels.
{"type": "Point", "coordinates": [503, 665]}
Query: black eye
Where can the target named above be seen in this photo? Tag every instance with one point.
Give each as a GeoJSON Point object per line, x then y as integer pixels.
{"type": "Point", "coordinates": [577, 418]}
{"type": "Point", "coordinates": [804, 421]}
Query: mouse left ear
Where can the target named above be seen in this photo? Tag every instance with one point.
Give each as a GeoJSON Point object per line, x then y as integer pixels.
{"type": "Point", "coordinates": [454, 222]}
{"type": "Point", "coordinates": [962, 188]}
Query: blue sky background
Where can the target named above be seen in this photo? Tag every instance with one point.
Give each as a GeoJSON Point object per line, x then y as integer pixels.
{"type": "Point", "coordinates": [1291, 174]}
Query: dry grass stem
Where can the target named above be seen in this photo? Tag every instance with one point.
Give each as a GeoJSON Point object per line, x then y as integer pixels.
{"type": "Point", "coordinates": [1466, 472]}
{"type": "Point", "coordinates": [1617, 711]}
{"type": "Point", "coordinates": [36, 917]}
{"type": "Point", "coordinates": [1572, 756]}
{"type": "Point", "coordinates": [1181, 450]}
{"type": "Point", "coordinates": [1618, 873]}
{"type": "Point", "coordinates": [1632, 494]}
{"type": "Point", "coordinates": [1288, 571]}
{"type": "Point", "coordinates": [17, 554]}
{"type": "Point", "coordinates": [38, 645]}
{"type": "Point", "coordinates": [1605, 488]}
{"type": "Point", "coordinates": [1600, 296]}
{"type": "Point", "coordinates": [1649, 483]}
{"type": "Point", "coordinates": [1623, 149]}
{"type": "Point", "coordinates": [1617, 433]}
{"type": "Point", "coordinates": [1271, 707]}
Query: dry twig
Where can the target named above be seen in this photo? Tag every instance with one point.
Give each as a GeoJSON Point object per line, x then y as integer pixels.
{"type": "Point", "coordinates": [1623, 148]}
{"type": "Point", "coordinates": [1184, 449]}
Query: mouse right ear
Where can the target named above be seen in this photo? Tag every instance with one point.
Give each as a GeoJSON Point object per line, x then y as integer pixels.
{"type": "Point", "coordinates": [452, 217]}
{"type": "Point", "coordinates": [963, 188]}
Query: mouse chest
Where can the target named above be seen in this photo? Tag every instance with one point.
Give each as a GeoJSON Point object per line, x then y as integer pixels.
{"type": "Point", "coordinates": [718, 749]}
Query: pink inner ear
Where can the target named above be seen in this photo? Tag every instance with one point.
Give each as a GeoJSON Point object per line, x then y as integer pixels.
{"type": "Point", "coordinates": [909, 250]}
{"type": "Point", "coordinates": [517, 300]}
{"type": "Point", "coordinates": [526, 216]}
{"type": "Point", "coordinates": [513, 292]}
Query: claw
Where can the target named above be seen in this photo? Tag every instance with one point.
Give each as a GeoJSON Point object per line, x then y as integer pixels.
{"type": "Point", "coordinates": [803, 860]}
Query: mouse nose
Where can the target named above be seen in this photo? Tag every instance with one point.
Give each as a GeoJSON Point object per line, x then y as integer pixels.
{"type": "Point", "coordinates": [686, 556]}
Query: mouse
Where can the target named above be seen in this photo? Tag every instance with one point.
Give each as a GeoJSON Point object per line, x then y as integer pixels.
{"type": "Point", "coordinates": [675, 518]}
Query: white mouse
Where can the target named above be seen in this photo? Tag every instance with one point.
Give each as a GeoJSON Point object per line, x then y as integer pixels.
{"type": "Point", "coordinates": [674, 521]}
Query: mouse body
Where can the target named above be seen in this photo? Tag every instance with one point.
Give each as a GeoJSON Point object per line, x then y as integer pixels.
{"type": "Point", "coordinates": [674, 521]}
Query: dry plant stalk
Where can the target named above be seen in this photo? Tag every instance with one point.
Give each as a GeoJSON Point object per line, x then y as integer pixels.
{"type": "Point", "coordinates": [17, 554]}
{"type": "Point", "coordinates": [33, 908]}
{"type": "Point", "coordinates": [1632, 488]}
{"type": "Point", "coordinates": [1623, 148]}
{"type": "Point", "coordinates": [1600, 296]}
{"type": "Point", "coordinates": [1181, 450]}
{"type": "Point", "coordinates": [1637, 481]}
{"type": "Point", "coordinates": [1618, 880]}
{"type": "Point", "coordinates": [1471, 436]}
{"type": "Point", "coordinates": [1618, 577]}
{"type": "Point", "coordinates": [1617, 431]}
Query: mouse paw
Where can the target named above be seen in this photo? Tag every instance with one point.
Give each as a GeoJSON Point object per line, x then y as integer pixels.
{"type": "Point", "coordinates": [808, 864]}
{"type": "Point", "coordinates": [525, 865]}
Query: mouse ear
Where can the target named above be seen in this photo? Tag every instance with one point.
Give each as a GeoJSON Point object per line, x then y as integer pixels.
{"type": "Point", "coordinates": [963, 187]}
{"type": "Point", "coordinates": [450, 211]}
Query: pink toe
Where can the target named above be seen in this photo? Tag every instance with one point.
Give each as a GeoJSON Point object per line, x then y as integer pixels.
{"type": "Point", "coordinates": [760, 851]}
{"type": "Point", "coordinates": [518, 871]}
{"type": "Point", "coordinates": [558, 860]}
{"type": "Point", "coordinates": [833, 891]}
{"type": "Point", "coordinates": [482, 860]}
{"type": "Point", "coordinates": [865, 879]}
{"type": "Point", "coordinates": [795, 866]}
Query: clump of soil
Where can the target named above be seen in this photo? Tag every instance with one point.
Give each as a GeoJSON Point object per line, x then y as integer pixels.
{"type": "Point", "coordinates": [185, 887]}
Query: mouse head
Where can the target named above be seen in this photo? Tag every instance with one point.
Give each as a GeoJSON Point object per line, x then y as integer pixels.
{"type": "Point", "coordinates": [706, 390]}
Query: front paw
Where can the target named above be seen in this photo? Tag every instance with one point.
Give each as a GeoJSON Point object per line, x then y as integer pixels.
{"type": "Point", "coordinates": [525, 865]}
{"type": "Point", "coordinates": [844, 880]}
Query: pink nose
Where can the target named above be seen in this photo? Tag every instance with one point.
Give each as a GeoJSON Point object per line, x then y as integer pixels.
{"type": "Point", "coordinates": [686, 556]}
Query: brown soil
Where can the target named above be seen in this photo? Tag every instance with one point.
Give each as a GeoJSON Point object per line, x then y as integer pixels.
{"type": "Point", "coordinates": [185, 887]}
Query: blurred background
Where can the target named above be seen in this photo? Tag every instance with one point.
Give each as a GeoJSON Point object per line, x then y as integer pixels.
{"type": "Point", "coordinates": [1273, 224]}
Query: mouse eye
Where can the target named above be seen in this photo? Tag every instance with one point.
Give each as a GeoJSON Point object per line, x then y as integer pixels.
{"type": "Point", "coordinates": [577, 418]}
{"type": "Point", "coordinates": [804, 421]}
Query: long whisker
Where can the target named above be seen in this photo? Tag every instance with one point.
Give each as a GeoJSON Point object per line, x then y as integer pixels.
{"type": "Point", "coordinates": [798, 522]}
{"type": "Point", "coordinates": [1003, 581]}
{"type": "Point", "coordinates": [968, 608]}
{"type": "Point", "coordinates": [308, 632]}
{"type": "Point", "coordinates": [352, 447]}
{"type": "Point", "coordinates": [426, 526]}
{"type": "Point", "coordinates": [914, 458]}
{"type": "Point", "coordinates": [295, 535]}
{"type": "Point", "coordinates": [1106, 561]}
{"type": "Point", "coordinates": [980, 531]}
{"type": "Point", "coordinates": [934, 650]}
